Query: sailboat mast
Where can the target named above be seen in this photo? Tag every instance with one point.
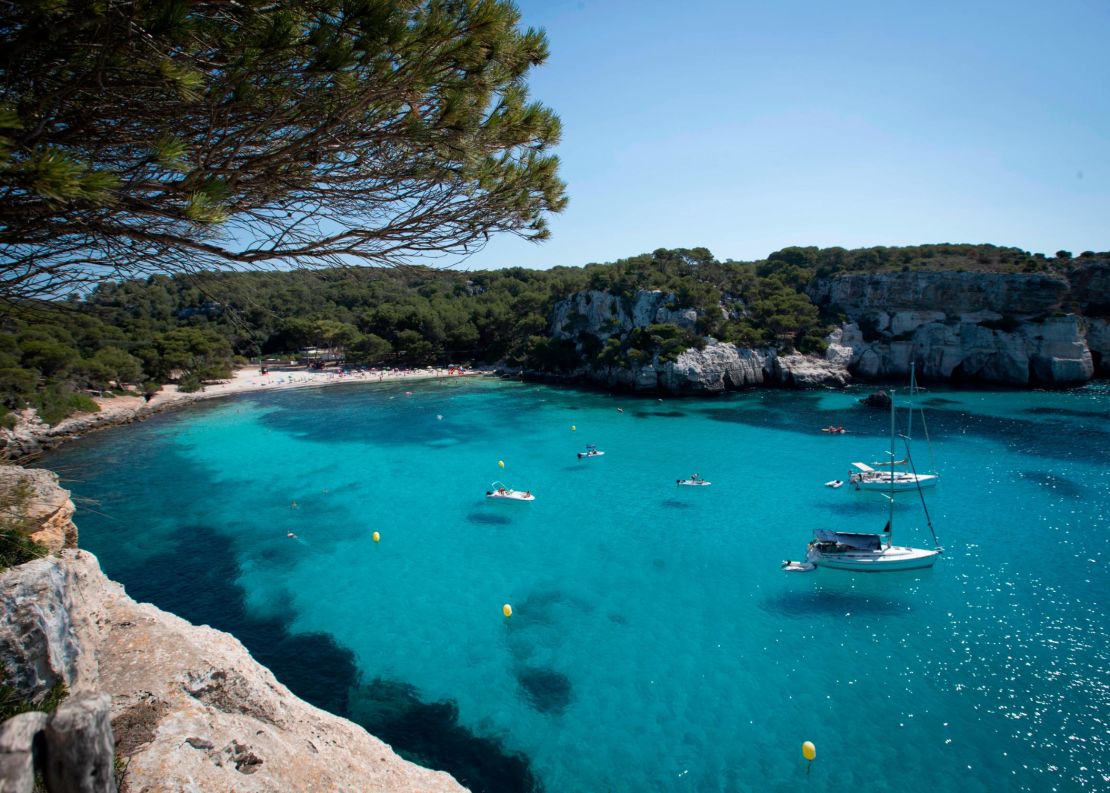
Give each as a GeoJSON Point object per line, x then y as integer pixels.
{"type": "Point", "coordinates": [909, 406]}
{"type": "Point", "coordinates": [890, 514]}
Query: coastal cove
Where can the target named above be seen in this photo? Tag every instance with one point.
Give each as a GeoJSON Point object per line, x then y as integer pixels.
{"type": "Point", "coordinates": [654, 642]}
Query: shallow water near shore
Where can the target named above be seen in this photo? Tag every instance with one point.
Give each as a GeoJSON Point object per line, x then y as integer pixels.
{"type": "Point", "coordinates": [655, 645]}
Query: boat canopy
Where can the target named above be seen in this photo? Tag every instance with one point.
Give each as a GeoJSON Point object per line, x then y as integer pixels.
{"type": "Point", "coordinates": [863, 467]}
{"type": "Point", "coordinates": [859, 542]}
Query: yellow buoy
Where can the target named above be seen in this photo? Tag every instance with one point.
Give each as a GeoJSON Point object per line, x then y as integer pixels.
{"type": "Point", "coordinates": [377, 537]}
{"type": "Point", "coordinates": [500, 463]}
{"type": "Point", "coordinates": [809, 751]}
{"type": "Point", "coordinates": [507, 610]}
{"type": "Point", "coordinates": [573, 428]}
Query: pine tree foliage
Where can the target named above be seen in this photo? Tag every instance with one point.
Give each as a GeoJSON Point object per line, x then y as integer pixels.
{"type": "Point", "coordinates": [141, 136]}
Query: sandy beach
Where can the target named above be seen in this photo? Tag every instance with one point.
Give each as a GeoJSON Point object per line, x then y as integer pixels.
{"type": "Point", "coordinates": [250, 379]}
{"type": "Point", "coordinates": [280, 378]}
{"type": "Point", "coordinates": [31, 436]}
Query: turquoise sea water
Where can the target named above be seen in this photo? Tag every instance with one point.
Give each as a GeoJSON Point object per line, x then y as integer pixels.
{"type": "Point", "coordinates": [655, 644]}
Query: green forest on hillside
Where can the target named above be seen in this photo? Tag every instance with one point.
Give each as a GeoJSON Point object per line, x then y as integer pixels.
{"type": "Point", "coordinates": [195, 328]}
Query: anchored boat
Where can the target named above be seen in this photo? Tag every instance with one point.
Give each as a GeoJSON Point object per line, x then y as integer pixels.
{"type": "Point", "coordinates": [498, 490]}
{"type": "Point", "coordinates": [865, 477]}
{"type": "Point", "coordinates": [891, 474]}
{"type": "Point", "coordinates": [868, 553]}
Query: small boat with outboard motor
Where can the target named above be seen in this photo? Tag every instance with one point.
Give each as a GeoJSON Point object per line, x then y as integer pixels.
{"type": "Point", "coordinates": [502, 492]}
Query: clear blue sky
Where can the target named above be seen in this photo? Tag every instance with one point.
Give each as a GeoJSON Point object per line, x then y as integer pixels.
{"type": "Point", "coordinates": [745, 127]}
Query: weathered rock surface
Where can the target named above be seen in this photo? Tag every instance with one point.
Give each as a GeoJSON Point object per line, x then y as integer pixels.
{"type": "Point", "coordinates": [950, 293]}
{"type": "Point", "coordinates": [603, 314]}
{"type": "Point", "coordinates": [39, 644]}
{"type": "Point", "coordinates": [191, 710]}
{"type": "Point", "coordinates": [1013, 328]}
{"type": "Point", "coordinates": [877, 399]}
{"type": "Point", "coordinates": [31, 436]}
{"type": "Point", "coordinates": [17, 736]}
{"type": "Point", "coordinates": [717, 367]}
{"type": "Point", "coordinates": [1098, 342]}
{"type": "Point", "coordinates": [79, 746]}
{"type": "Point", "coordinates": [720, 367]}
{"type": "Point", "coordinates": [48, 505]}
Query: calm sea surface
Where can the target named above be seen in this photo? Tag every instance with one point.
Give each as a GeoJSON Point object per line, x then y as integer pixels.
{"type": "Point", "coordinates": [655, 645]}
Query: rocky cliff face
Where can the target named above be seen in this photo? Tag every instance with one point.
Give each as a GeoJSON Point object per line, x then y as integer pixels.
{"type": "Point", "coordinates": [716, 367]}
{"type": "Point", "coordinates": [603, 314]}
{"type": "Point", "coordinates": [950, 293]}
{"type": "Point", "coordinates": [48, 505]}
{"type": "Point", "coordinates": [191, 710]}
{"type": "Point", "coordinates": [1018, 329]}
{"type": "Point", "coordinates": [31, 436]}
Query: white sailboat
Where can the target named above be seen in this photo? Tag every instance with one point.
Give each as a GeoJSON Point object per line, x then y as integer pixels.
{"type": "Point", "coordinates": [866, 477]}
{"type": "Point", "coordinates": [859, 552]}
{"type": "Point", "coordinates": [886, 476]}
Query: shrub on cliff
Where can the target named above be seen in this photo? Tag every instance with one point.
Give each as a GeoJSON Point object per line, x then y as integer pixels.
{"type": "Point", "coordinates": [55, 401]}
{"type": "Point", "coordinates": [16, 546]}
{"type": "Point", "coordinates": [12, 703]}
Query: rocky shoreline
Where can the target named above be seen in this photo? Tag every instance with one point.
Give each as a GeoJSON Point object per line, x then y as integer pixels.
{"type": "Point", "coordinates": [1026, 330]}
{"type": "Point", "coordinates": [190, 708]}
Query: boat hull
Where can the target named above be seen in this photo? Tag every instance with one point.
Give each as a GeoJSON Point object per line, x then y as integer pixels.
{"type": "Point", "coordinates": [900, 485]}
{"type": "Point", "coordinates": [884, 560]}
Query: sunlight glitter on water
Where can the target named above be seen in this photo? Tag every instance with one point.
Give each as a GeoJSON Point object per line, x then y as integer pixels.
{"type": "Point", "coordinates": [654, 642]}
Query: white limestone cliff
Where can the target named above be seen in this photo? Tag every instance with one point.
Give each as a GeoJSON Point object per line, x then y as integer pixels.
{"type": "Point", "coordinates": [1014, 328]}
{"type": "Point", "coordinates": [191, 709]}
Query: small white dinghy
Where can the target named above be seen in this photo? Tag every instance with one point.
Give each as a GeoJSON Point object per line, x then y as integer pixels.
{"type": "Point", "coordinates": [798, 567]}
{"type": "Point", "coordinates": [835, 483]}
{"type": "Point", "coordinates": [694, 481]}
{"type": "Point", "coordinates": [591, 451]}
{"type": "Point", "coordinates": [498, 490]}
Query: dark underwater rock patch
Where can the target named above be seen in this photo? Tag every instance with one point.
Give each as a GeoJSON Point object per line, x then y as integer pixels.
{"type": "Point", "coordinates": [429, 733]}
{"type": "Point", "coordinates": [197, 581]}
{"type": "Point", "coordinates": [1059, 484]}
{"type": "Point", "coordinates": [545, 690]}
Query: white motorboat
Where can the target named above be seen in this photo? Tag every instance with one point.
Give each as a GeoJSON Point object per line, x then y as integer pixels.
{"type": "Point", "coordinates": [835, 483]}
{"type": "Point", "coordinates": [591, 451]}
{"type": "Point", "coordinates": [498, 490]}
{"type": "Point", "coordinates": [694, 481]}
{"type": "Point", "coordinates": [858, 552]}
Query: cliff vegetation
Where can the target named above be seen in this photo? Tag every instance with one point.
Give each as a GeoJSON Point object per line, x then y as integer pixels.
{"type": "Point", "coordinates": [192, 328]}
